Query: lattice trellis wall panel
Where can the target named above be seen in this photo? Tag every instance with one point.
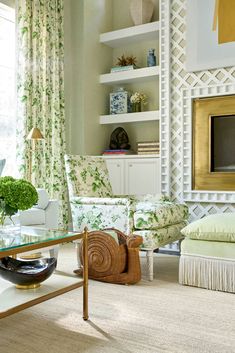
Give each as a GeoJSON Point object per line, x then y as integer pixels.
{"type": "Point", "coordinates": [180, 80]}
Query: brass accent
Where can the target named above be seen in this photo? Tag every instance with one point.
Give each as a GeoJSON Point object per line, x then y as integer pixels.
{"type": "Point", "coordinates": [85, 274]}
{"type": "Point", "coordinates": [33, 256]}
{"type": "Point", "coordinates": [35, 134]}
{"type": "Point", "coordinates": [202, 176]}
{"type": "Point", "coordinates": [30, 286]}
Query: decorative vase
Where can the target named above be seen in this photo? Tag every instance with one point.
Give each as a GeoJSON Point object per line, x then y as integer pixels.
{"type": "Point", "coordinates": [136, 107]}
{"type": "Point", "coordinates": [119, 101]}
{"type": "Point", "coordinates": [151, 59]}
{"type": "Point", "coordinates": [141, 11]}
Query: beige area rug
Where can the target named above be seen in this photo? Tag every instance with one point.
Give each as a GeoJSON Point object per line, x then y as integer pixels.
{"type": "Point", "coordinates": [158, 316]}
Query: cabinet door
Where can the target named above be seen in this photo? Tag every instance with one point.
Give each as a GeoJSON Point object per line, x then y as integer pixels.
{"type": "Point", "coordinates": [142, 176]}
{"type": "Point", "coordinates": [116, 175]}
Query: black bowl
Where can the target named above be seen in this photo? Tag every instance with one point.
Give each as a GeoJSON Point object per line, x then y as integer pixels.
{"type": "Point", "coordinates": [27, 274]}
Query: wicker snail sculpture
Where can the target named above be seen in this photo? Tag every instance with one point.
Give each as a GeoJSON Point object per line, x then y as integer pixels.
{"type": "Point", "coordinates": [112, 261]}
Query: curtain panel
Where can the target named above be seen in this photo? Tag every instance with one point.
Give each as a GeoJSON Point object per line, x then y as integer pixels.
{"type": "Point", "coordinates": [40, 95]}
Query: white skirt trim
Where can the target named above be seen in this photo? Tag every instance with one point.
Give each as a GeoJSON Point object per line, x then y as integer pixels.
{"type": "Point", "coordinates": [207, 272]}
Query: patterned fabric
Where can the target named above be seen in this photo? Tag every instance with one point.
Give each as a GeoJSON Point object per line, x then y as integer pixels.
{"type": "Point", "coordinates": [98, 210]}
{"type": "Point", "coordinates": [99, 213]}
{"type": "Point", "coordinates": [155, 215]}
{"type": "Point", "coordinates": [87, 176]}
{"type": "Point", "coordinates": [40, 94]}
{"type": "Point", "coordinates": [154, 239]}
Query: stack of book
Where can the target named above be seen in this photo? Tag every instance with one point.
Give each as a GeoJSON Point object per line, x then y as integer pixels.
{"type": "Point", "coordinates": [148, 147]}
{"type": "Point", "coordinates": [121, 151]}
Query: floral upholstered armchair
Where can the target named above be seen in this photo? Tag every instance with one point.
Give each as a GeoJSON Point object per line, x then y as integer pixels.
{"type": "Point", "coordinates": [93, 205]}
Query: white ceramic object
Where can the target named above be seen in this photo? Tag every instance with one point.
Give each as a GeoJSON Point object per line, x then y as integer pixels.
{"type": "Point", "coordinates": [141, 11]}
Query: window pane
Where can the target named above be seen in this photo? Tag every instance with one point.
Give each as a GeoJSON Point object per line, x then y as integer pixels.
{"type": "Point", "coordinates": [7, 91]}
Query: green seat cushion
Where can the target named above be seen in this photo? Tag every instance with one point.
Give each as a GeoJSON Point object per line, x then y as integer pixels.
{"type": "Point", "coordinates": [218, 227]}
{"type": "Point", "coordinates": [158, 214]}
{"type": "Point", "coordinates": [154, 239]}
{"type": "Point", "coordinates": [207, 248]}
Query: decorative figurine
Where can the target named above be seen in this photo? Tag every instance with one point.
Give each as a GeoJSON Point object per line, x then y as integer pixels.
{"type": "Point", "coordinates": [151, 58]}
{"type": "Point", "coordinates": [119, 139]}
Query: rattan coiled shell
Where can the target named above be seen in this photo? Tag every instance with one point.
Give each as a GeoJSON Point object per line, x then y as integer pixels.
{"type": "Point", "coordinates": [112, 262]}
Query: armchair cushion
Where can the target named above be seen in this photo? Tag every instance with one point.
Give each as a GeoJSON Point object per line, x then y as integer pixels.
{"type": "Point", "coordinates": [33, 216]}
{"type": "Point", "coordinates": [87, 176]}
{"type": "Point", "coordinates": [158, 214]}
{"type": "Point", "coordinates": [153, 239]}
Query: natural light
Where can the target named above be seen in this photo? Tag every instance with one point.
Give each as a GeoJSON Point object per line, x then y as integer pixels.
{"type": "Point", "coordinates": [7, 90]}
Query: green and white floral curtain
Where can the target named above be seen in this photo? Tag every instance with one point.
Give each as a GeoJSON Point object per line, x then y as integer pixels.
{"type": "Point", "coordinates": [40, 94]}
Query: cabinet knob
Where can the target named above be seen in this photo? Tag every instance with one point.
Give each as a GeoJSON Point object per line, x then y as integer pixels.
{"type": "Point", "coordinates": [130, 165]}
{"type": "Point", "coordinates": [118, 165]}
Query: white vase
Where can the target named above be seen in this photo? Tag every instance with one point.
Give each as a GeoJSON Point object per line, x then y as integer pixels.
{"type": "Point", "coordinates": [141, 11]}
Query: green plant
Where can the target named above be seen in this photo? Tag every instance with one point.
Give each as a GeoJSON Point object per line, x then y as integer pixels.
{"type": "Point", "coordinates": [125, 61]}
{"type": "Point", "coordinates": [15, 194]}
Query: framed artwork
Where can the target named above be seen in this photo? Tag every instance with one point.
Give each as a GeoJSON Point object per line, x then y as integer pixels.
{"type": "Point", "coordinates": [210, 34]}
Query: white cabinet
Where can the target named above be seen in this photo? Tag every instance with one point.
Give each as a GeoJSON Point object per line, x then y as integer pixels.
{"type": "Point", "coordinates": [134, 175]}
{"type": "Point", "coordinates": [116, 175]}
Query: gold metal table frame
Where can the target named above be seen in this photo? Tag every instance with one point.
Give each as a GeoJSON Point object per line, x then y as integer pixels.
{"type": "Point", "coordinates": [70, 237]}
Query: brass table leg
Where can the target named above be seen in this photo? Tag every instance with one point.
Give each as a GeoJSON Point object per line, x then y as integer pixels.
{"type": "Point", "coordinates": [85, 275]}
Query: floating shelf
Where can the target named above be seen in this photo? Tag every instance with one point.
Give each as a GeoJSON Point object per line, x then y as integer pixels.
{"type": "Point", "coordinates": [130, 35]}
{"type": "Point", "coordinates": [130, 117]}
{"type": "Point", "coordinates": [136, 75]}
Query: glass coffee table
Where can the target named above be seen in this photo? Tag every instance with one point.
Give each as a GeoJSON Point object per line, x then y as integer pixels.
{"type": "Point", "coordinates": [13, 299]}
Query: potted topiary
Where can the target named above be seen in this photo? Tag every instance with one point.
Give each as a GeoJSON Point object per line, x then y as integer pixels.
{"type": "Point", "coordinates": [15, 195]}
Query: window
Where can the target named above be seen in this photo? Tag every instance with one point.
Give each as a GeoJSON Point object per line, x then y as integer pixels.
{"type": "Point", "coordinates": [7, 90]}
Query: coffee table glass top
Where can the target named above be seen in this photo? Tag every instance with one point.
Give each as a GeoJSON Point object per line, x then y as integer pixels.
{"type": "Point", "coordinates": [16, 237]}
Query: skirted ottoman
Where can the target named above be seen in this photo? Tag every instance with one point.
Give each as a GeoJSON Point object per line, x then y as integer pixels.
{"type": "Point", "coordinates": [208, 253]}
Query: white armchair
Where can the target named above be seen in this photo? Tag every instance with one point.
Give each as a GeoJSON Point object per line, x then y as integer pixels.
{"type": "Point", "coordinates": [45, 214]}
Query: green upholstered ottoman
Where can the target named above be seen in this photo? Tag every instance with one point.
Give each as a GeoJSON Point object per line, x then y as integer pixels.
{"type": "Point", "coordinates": [208, 253]}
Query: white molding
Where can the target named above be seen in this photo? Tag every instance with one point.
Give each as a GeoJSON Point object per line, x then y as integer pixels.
{"type": "Point", "coordinates": [136, 75]}
{"type": "Point", "coordinates": [188, 194]}
{"type": "Point", "coordinates": [130, 35]}
{"type": "Point", "coordinates": [7, 12]}
{"type": "Point", "coordinates": [164, 99]}
{"type": "Point", "coordinates": [131, 156]}
{"type": "Point", "coordinates": [130, 117]}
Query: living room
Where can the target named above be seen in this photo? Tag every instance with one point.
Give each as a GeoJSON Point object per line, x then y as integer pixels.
{"type": "Point", "coordinates": [119, 117]}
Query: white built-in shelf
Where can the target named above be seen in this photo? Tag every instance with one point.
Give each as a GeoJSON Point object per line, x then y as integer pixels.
{"type": "Point", "coordinates": [136, 75]}
{"type": "Point", "coordinates": [130, 117]}
{"type": "Point", "coordinates": [130, 156]}
{"type": "Point", "coordinates": [130, 35]}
